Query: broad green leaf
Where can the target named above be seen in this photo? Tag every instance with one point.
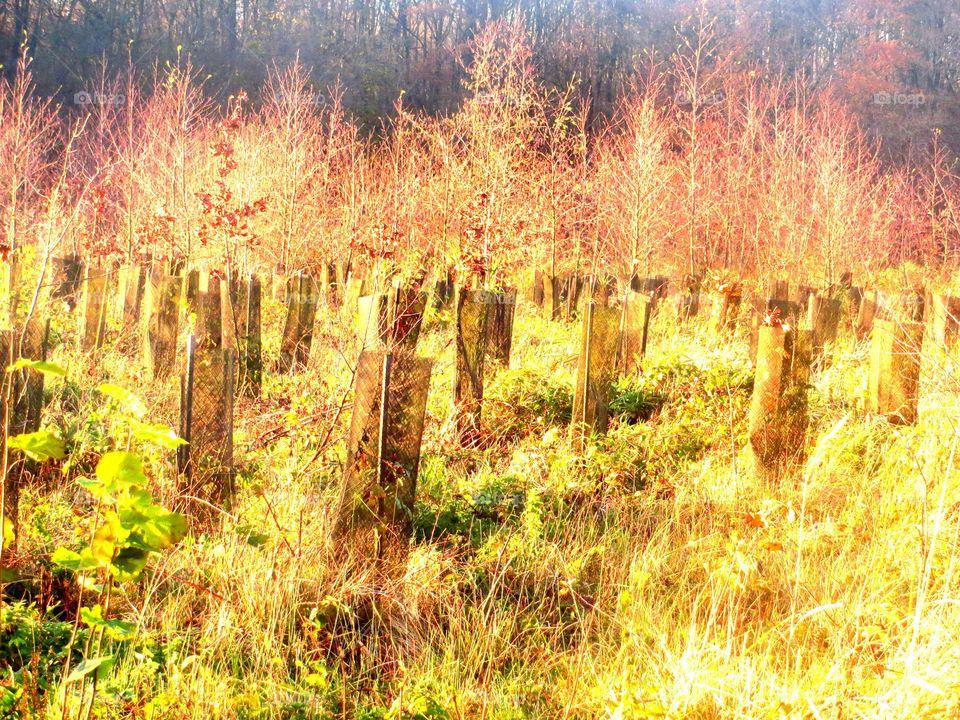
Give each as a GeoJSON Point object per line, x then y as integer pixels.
{"type": "Point", "coordinates": [70, 560]}
{"type": "Point", "coordinates": [160, 435]}
{"type": "Point", "coordinates": [121, 470]}
{"type": "Point", "coordinates": [47, 368]}
{"type": "Point", "coordinates": [39, 446]}
{"type": "Point", "coordinates": [129, 563]}
{"type": "Point", "coordinates": [126, 399]}
{"type": "Point", "coordinates": [115, 629]}
{"type": "Point", "coordinates": [95, 487]}
{"type": "Point", "coordinates": [101, 665]}
{"type": "Point", "coordinates": [157, 527]}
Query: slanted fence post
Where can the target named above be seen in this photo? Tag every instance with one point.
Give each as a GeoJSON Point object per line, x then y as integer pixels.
{"type": "Point", "coordinates": [374, 520]}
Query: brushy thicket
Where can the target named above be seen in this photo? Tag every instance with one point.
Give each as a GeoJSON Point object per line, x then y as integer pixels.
{"type": "Point", "coordinates": [653, 576]}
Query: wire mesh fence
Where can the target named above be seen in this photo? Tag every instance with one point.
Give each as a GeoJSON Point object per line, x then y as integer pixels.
{"type": "Point", "coordinates": [777, 418]}
{"type": "Point", "coordinates": [206, 423]}
{"type": "Point", "coordinates": [21, 396]}
{"type": "Point", "coordinates": [383, 456]}
{"type": "Point", "coordinates": [634, 327]}
{"type": "Point", "coordinates": [67, 278]}
{"type": "Point", "coordinates": [247, 322]}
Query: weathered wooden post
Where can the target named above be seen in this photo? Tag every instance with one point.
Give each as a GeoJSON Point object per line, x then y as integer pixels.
{"type": "Point", "coordinates": [893, 384]}
{"type": "Point", "coordinates": [778, 409]}
{"type": "Point", "coordinates": [731, 295]}
{"type": "Point", "coordinates": [302, 299]}
{"type": "Point", "coordinates": [472, 326]}
{"type": "Point", "coordinates": [247, 321]}
{"type": "Point", "coordinates": [945, 320]}
{"type": "Point", "coordinates": [374, 520]}
{"type": "Point", "coordinates": [67, 277]}
{"type": "Point", "coordinates": [596, 367]}
{"type": "Point", "coordinates": [823, 314]}
{"type": "Point", "coordinates": [500, 332]}
{"type": "Point", "coordinates": [93, 315]}
{"type": "Point", "coordinates": [634, 328]}
{"type": "Point", "coordinates": [206, 401]}
{"type": "Point", "coordinates": [373, 320]}
{"type": "Point", "coordinates": [162, 297]}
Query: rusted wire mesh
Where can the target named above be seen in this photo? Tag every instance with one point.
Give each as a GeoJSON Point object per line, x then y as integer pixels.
{"type": "Point", "coordinates": [383, 455]}
{"type": "Point", "coordinates": [206, 423]}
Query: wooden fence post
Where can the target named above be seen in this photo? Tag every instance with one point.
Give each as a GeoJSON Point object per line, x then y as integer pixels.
{"type": "Point", "coordinates": [893, 385]}
{"type": "Point", "coordinates": [777, 419]}
{"type": "Point", "coordinates": [634, 328]}
{"type": "Point", "coordinates": [93, 316]}
{"type": "Point", "coordinates": [596, 367]}
{"type": "Point", "coordinates": [162, 299]}
{"type": "Point", "coordinates": [472, 326]}
{"type": "Point", "coordinates": [374, 519]}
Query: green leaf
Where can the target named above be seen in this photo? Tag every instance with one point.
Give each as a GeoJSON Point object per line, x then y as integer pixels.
{"type": "Point", "coordinates": [115, 629]}
{"type": "Point", "coordinates": [101, 665]}
{"type": "Point", "coordinates": [129, 563]}
{"type": "Point", "coordinates": [70, 560]}
{"type": "Point", "coordinates": [160, 435]}
{"type": "Point", "coordinates": [120, 470]}
{"type": "Point", "coordinates": [39, 446]}
{"type": "Point", "coordinates": [47, 368]}
{"type": "Point", "coordinates": [126, 399]}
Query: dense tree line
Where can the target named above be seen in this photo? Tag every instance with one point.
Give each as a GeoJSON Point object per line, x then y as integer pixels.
{"type": "Point", "coordinates": [378, 49]}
